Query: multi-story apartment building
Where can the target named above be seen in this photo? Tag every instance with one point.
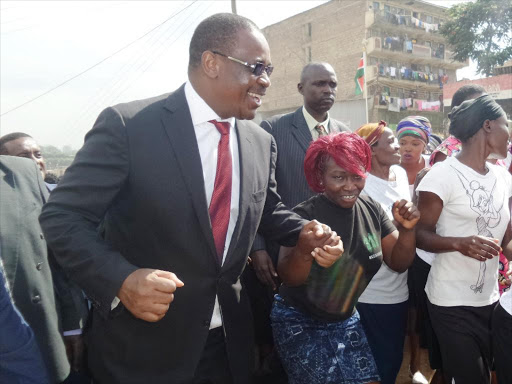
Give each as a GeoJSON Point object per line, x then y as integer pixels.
{"type": "Point", "coordinates": [407, 60]}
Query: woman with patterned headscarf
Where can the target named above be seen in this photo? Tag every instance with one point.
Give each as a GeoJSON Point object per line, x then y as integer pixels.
{"type": "Point", "coordinates": [413, 133]}
{"type": "Point", "coordinates": [383, 304]}
{"type": "Point", "coordinates": [465, 220]}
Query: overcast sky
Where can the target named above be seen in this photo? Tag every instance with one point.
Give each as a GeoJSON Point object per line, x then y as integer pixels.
{"type": "Point", "coordinates": [45, 43]}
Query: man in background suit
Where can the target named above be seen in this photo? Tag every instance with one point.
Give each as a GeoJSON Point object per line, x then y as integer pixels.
{"type": "Point", "coordinates": [181, 183]}
{"type": "Point", "coordinates": [71, 305]}
{"type": "Point", "coordinates": [293, 132]}
{"type": "Point", "coordinates": [24, 256]}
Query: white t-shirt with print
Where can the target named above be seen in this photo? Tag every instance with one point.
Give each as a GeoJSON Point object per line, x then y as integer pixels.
{"type": "Point", "coordinates": [387, 286]}
{"type": "Point", "coordinates": [473, 204]}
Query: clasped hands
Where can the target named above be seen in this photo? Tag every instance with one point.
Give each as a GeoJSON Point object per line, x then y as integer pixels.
{"type": "Point", "coordinates": [322, 243]}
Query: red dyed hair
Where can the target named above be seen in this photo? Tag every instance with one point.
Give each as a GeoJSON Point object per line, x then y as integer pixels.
{"type": "Point", "coordinates": [348, 150]}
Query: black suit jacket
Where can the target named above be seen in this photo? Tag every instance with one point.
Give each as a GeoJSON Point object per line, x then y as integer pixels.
{"type": "Point", "coordinates": [24, 255]}
{"type": "Point", "coordinates": [140, 170]}
{"type": "Point", "coordinates": [293, 137]}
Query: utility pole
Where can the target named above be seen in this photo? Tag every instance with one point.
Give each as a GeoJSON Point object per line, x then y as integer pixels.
{"type": "Point", "coordinates": [233, 6]}
{"type": "Point", "coordinates": [365, 89]}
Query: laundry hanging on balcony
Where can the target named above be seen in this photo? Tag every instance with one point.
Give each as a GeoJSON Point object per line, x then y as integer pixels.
{"type": "Point", "coordinates": [426, 26]}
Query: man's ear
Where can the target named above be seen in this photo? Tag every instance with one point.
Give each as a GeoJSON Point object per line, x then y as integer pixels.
{"type": "Point", "coordinates": [299, 88]}
{"type": "Point", "coordinates": [210, 64]}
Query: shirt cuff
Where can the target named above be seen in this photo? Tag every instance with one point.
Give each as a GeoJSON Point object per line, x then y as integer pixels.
{"type": "Point", "coordinates": [115, 303]}
{"type": "Point", "coordinates": [73, 332]}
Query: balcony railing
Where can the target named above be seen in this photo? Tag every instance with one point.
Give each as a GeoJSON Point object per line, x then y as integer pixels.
{"type": "Point", "coordinates": [407, 21]}
{"type": "Point", "coordinates": [407, 50]}
{"type": "Point", "coordinates": [397, 44]}
{"type": "Point", "coordinates": [407, 74]}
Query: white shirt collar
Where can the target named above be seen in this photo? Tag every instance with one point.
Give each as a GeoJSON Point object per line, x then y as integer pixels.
{"type": "Point", "coordinates": [311, 121]}
{"type": "Point", "coordinates": [200, 111]}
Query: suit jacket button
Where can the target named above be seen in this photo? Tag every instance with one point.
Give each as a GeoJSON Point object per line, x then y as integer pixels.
{"type": "Point", "coordinates": [39, 266]}
{"type": "Point", "coordinates": [36, 299]}
{"type": "Point", "coordinates": [41, 236]}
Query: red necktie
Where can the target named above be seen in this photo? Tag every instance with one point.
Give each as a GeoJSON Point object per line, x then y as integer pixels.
{"type": "Point", "coordinates": [220, 205]}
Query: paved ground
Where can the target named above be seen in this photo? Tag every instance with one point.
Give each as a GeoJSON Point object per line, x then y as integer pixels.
{"type": "Point", "coordinates": [403, 376]}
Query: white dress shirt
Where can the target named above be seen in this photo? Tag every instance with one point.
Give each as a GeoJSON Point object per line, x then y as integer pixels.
{"type": "Point", "coordinates": [208, 138]}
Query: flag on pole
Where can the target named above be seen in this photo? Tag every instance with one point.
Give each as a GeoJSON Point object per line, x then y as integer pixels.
{"type": "Point", "coordinates": [359, 79]}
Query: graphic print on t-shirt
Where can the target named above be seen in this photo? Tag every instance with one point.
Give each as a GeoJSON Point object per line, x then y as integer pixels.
{"type": "Point", "coordinates": [482, 202]}
{"type": "Point", "coordinates": [372, 243]}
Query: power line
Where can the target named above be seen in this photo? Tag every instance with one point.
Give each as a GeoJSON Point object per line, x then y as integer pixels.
{"type": "Point", "coordinates": [117, 88]}
{"type": "Point", "coordinates": [110, 86]}
{"type": "Point", "coordinates": [151, 58]}
{"type": "Point", "coordinates": [164, 48]}
{"type": "Point", "coordinates": [98, 63]}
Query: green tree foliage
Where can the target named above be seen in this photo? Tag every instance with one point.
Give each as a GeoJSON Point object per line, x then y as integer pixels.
{"type": "Point", "coordinates": [481, 31]}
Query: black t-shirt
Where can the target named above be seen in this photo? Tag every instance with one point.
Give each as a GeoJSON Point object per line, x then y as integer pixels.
{"type": "Point", "coordinates": [331, 294]}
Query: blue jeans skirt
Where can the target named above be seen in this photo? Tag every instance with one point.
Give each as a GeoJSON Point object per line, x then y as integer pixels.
{"type": "Point", "coordinates": [318, 352]}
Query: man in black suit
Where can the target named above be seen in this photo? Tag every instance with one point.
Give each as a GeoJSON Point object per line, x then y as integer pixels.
{"type": "Point", "coordinates": [180, 182]}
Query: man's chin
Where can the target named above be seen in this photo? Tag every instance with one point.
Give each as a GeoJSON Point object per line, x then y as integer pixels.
{"type": "Point", "coordinates": [247, 115]}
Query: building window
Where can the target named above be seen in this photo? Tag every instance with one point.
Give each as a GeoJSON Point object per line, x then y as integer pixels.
{"type": "Point", "coordinates": [310, 30]}
{"type": "Point", "coordinates": [308, 55]}
{"type": "Point", "coordinates": [386, 8]}
{"type": "Point", "coordinates": [429, 19]}
{"type": "Point", "coordinates": [376, 5]}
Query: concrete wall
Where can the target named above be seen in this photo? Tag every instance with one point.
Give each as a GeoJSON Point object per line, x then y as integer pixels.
{"type": "Point", "coordinates": [337, 32]}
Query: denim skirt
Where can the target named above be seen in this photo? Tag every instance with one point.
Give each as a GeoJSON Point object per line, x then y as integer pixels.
{"type": "Point", "coordinates": [319, 352]}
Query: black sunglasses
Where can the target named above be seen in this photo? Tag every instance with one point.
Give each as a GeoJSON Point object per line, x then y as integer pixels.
{"type": "Point", "coordinates": [257, 69]}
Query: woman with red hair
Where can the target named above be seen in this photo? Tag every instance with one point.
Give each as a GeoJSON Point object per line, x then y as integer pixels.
{"type": "Point", "coordinates": [316, 327]}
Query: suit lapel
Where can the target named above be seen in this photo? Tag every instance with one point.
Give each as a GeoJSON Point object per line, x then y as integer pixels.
{"type": "Point", "coordinates": [333, 128]}
{"type": "Point", "coordinates": [301, 130]}
{"type": "Point", "coordinates": [247, 159]}
{"type": "Point", "coordinates": [180, 130]}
